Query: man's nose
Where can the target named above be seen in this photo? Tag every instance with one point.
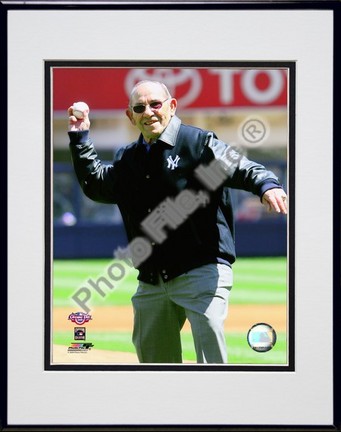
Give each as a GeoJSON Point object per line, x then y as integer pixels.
{"type": "Point", "coordinates": [148, 111]}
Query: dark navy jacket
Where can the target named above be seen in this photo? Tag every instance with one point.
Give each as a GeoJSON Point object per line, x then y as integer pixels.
{"type": "Point", "coordinates": [140, 181]}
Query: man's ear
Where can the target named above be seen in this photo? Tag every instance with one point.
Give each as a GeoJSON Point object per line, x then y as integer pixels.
{"type": "Point", "coordinates": [173, 104]}
{"type": "Point", "coordinates": [129, 114]}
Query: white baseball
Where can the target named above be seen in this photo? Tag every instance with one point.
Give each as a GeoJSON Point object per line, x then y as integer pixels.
{"type": "Point", "coordinates": [79, 108]}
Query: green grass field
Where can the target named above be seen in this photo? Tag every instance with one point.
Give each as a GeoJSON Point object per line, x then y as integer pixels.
{"type": "Point", "coordinates": [257, 281]}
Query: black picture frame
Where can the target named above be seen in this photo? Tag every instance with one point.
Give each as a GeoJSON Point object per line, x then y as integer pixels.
{"type": "Point", "coordinates": [290, 69]}
{"type": "Point", "coordinates": [332, 6]}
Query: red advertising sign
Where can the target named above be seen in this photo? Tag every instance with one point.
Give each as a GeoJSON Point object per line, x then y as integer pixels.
{"type": "Point", "coordinates": [109, 88]}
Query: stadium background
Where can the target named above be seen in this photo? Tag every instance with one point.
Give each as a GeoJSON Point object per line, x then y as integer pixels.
{"type": "Point", "coordinates": [85, 234]}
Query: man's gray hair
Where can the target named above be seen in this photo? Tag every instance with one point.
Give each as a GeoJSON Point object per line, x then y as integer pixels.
{"type": "Point", "coordinates": [161, 84]}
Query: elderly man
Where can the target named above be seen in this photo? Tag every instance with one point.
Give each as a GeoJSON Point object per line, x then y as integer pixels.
{"type": "Point", "coordinates": [172, 188]}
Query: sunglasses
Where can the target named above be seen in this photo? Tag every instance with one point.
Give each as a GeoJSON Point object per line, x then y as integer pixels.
{"type": "Point", "coordinates": [155, 106]}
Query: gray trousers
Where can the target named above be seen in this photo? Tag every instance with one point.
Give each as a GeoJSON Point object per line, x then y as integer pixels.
{"type": "Point", "coordinates": [201, 296]}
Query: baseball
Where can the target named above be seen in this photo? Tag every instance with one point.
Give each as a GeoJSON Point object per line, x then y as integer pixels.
{"type": "Point", "coordinates": [79, 108]}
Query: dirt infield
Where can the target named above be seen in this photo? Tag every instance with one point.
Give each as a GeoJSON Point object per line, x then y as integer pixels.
{"type": "Point", "coordinates": [93, 356]}
{"type": "Point", "coordinates": [120, 319]}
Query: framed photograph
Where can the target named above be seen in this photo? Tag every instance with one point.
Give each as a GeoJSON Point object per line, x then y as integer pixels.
{"type": "Point", "coordinates": [249, 73]}
{"type": "Point", "coordinates": [246, 104]}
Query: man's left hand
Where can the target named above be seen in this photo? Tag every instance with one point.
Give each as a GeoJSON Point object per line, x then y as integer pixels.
{"type": "Point", "coordinates": [275, 200]}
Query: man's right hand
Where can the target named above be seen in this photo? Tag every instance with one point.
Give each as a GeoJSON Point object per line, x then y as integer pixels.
{"type": "Point", "coordinates": [76, 124]}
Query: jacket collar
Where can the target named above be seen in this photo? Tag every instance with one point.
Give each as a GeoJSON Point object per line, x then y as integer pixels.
{"type": "Point", "coordinates": [170, 134]}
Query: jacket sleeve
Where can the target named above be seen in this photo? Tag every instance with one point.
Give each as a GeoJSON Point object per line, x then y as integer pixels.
{"type": "Point", "coordinates": [239, 171]}
{"type": "Point", "coordinates": [98, 181]}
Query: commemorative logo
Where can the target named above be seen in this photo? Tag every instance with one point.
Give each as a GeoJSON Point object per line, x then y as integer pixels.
{"type": "Point", "coordinates": [79, 317]}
